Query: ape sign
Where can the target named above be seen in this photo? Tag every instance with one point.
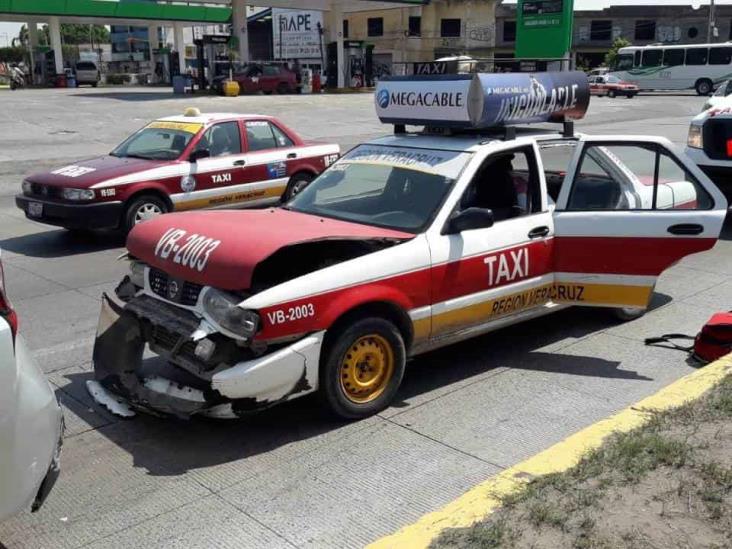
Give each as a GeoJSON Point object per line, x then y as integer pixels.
{"type": "Point", "coordinates": [295, 33]}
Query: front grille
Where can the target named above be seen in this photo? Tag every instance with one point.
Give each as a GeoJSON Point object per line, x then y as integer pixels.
{"type": "Point", "coordinates": [161, 284]}
{"type": "Point", "coordinates": [716, 134]}
{"type": "Point", "coordinates": [46, 191]}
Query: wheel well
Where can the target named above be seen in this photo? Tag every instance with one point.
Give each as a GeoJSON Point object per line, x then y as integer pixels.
{"type": "Point", "coordinates": [382, 309]}
{"type": "Point", "coordinates": [150, 191]}
{"type": "Point", "coordinates": [305, 171]}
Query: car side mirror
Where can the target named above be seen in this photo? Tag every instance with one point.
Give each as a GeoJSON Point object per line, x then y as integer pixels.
{"type": "Point", "coordinates": [469, 219]}
{"type": "Point", "coordinates": [198, 154]}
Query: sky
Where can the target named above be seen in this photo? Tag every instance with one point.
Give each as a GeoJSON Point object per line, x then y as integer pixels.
{"type": "Point", "coordinates": [600, 4]}
{"type": "Point", "coordinates": [8, 31]}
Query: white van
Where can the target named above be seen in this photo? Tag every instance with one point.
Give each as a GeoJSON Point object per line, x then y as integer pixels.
{"type": "Point", "coordinates": [87, 72]}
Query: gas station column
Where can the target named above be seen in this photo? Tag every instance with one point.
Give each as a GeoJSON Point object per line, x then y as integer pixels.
{"type": "Point", "coordinates": [54, 29]}
{"type": "Point", "coordinates": [33, 39]}
{"type": "Point", "coordinates": [336, 35]}
{"type": "Point", "coordinates": [239, 28]}
{"type": "Point", "coordinates": [180, 46]}
{"type": "Point", "coordinates": [152, 43]}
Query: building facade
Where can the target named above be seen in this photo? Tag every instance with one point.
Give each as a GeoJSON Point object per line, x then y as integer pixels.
{"type": "Point", "coordinates": [642, 24]}
{"type": "Point", "coordinates": [443, 28]}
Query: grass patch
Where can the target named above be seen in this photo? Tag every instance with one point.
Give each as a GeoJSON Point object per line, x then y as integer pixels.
{"type": "Point", "coordinates": [675, 469]}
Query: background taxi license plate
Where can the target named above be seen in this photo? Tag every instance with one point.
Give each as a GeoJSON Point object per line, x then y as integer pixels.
{"type": "Point", "coordinates": [35, 209]}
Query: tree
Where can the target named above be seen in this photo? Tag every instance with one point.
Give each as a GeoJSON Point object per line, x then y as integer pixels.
{"type": "Point", "coordinates": [612, 55]}
{"type": "Point", "coordinates": [70, 34]}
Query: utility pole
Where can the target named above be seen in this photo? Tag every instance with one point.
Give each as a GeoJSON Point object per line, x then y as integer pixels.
{"type": "Point", "coordinates": [711, 25]}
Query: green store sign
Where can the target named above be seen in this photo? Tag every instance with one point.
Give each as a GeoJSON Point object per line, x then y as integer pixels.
{"type": "Point", "coordinates": [543, 28]}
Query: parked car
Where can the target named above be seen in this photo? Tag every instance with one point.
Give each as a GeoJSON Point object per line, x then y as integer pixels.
{"type": "Point", "coordinates": [266, 78]}
{"type": "Point", "coordinates": [31, 423]}
{"type": "Point", "coordinates": [718, 98]}
{"type": "Point", "coordinates": [611, 86]}
{"type": "Point", "coordinates": [709, 142]}
{"type": "Point", "coordinates": [408, 243]}
{"type": "Point", "coordinates": [87, 72]}
{"type": "Point", "coordinates": [177, 163]}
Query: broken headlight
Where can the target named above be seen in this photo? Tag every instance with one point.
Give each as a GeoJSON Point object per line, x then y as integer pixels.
{"type": "Point", "coordinates": [695, 139]}
{"type": "Point", "coordinates": [223, 309]}
{"type": "Point", "coordinates": [137, 273]}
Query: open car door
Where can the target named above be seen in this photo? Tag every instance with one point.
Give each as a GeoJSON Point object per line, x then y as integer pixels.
{"type": "Point", "coordinates": [629, 209]}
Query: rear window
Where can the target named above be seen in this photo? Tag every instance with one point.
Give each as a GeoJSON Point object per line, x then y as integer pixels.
{"type": "Point", "coordinates": [86, 66]}
{"type": "Point", "coordinates": [720, 56]}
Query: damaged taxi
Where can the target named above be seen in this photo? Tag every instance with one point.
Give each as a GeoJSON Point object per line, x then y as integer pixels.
{"type": "Point", "coordinates": [408, 243]}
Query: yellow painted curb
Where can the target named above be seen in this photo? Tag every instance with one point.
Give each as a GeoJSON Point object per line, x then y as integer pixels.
{"type": "Point", "coordinates": [481, 500]}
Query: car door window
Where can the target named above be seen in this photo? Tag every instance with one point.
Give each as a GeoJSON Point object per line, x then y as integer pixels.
{"type": "Point", "coordinates": [261, 135]}
{"type": "Point", "coordinates": [634, 177]}
{"type": "Point", "coordinates": [556, 158]}
{"type": "Point", "coordinates": [221, 139]}
{"type": "Point", "coordinates": [282, 139]}
{"type": "Point", "coordinates": [507, 183]}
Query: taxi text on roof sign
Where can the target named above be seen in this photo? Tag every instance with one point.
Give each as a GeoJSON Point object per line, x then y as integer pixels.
{"type": "Point", "coordinates": [482, 100]}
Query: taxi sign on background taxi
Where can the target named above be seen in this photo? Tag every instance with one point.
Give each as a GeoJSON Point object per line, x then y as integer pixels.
{"type": "Point", "coordinates": [482, 100]}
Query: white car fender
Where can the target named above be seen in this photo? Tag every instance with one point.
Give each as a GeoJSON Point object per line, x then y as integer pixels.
{"type": "Point", "coordinates": [273, 377]}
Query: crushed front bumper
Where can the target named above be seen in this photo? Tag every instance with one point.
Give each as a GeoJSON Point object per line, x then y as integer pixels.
{"type": "Point", "coordinates": [177, 382]}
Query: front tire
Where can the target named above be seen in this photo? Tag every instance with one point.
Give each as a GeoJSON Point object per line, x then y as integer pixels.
{"type": "Point", "coordinates": [141, 209]}
{"type": "Point", "coordinates": [362, 368]}
{"type": "Point", "coordinates": [296, 184]}
{"type": "Point", "coordinates": [611, 93]}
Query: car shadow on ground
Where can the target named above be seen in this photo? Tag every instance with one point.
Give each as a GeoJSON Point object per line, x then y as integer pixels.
{"type": "Point", "coordinates": [164, 93]}
{"type": "Point", "coordinates": [62, 243]}
{"type": "Point", "coordinates": [167, 446]}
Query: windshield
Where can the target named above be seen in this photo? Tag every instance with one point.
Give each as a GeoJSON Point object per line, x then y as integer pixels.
{"type": "Point", "coordinates": [624, 62]}
{"type": "Point", "coordinates": [161, 140]}
{"type": "Point", "coordinates": [396, 187]}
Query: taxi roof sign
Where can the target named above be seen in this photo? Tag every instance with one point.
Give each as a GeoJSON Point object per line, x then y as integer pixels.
{"type": "Point", "coordinates": [481, 101]}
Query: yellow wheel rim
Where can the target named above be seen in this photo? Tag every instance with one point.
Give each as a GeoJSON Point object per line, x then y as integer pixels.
{"type": "Point", "coordinates": [367, 368]}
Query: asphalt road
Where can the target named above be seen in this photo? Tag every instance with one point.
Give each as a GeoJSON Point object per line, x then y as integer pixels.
{"type": "Point", "coordinates": [292, 476]}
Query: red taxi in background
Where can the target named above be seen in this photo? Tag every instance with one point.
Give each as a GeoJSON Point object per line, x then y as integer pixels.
{"type": "Point", "coordinates": [612, 86]}
{"type": "Point", "coordinates": [178, 163]}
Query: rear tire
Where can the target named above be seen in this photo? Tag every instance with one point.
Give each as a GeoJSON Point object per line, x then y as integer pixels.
{"type": "Point", "coordinates": [283, 88]}
{"type": "Point", "coordinates": [141, 209]}
{"type": "Point", "coordinates": [362, 367]}
{"type": "Point", "coordinates": [626, 314]}
{"type": "Point", "coordinates": [611, 93]}
{"type": "Point", "coordinates": [296, 184]}
{"type": "Point", "coordinates": [703, 86]}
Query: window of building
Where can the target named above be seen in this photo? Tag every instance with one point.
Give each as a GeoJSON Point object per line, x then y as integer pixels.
{"type": "Point", "coordinates": [450, 28]}
{"type": "Point", "coordinates": [345, 28]}
{"type": "Point", "coordinates": [645, 29]}
{"type": "Point", "coordinates": [720, 56]}
{"type": "Point", "coordinates": [673, 58]}
{"type": "Point", "coordinates": [375, 26]}
{"type": "Point", "coordinates": [697, 56]}
{"type": "Point", "coordinates": [415, 25]}
{"type": "Point", "coordinates": [601, 30]}
{"type": "Point", "coordinates": [693, 32]}
{"type": "Point", "coordinates": [509, 31]}
{"type": "Point", "coordinates": [652, 58]}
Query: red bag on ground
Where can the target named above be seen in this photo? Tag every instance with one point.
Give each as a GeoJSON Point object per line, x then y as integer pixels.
{"type": "Point", "coordinates": [712, 342]}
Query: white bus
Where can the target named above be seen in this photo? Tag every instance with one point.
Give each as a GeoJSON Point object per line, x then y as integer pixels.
{"type": "Point", "coordinates": [684, 67]}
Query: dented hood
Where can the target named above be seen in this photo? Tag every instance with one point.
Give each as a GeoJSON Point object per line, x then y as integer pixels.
{"type": "Point", "coordinates": [222, 248]}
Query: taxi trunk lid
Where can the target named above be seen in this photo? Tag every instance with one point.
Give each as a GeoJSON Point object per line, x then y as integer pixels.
{"type": "Point", "coordinates": [222, 249]}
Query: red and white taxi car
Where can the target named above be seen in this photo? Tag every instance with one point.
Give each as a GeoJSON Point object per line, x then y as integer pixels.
{"type": "Point", "coordinates": [178, 163]}
{"type": "Point", "coordinates": [407, 243]}
{"type": "Point", "coordinates": [612, 86]}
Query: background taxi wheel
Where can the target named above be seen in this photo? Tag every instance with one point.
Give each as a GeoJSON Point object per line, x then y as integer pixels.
{"type": "Point", "coordinates": [611, 93]}
{"type": "Point", "coordinates": [143, 208]}
{"type": "Point", "coordinates": [362, 368]}
{"type": "Point", "coordinates": [627, 314]}
{"type": "Point", "coordinates": [296, 184]}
